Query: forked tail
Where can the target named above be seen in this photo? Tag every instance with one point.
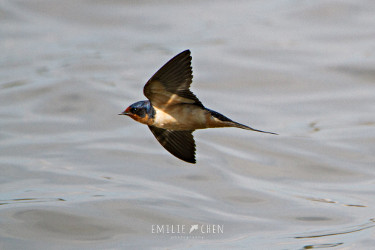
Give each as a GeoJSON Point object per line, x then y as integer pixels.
{"type": "Point", "coordinates": [239, 125]}
{"type": "Point", "coordinates": [230, 123]}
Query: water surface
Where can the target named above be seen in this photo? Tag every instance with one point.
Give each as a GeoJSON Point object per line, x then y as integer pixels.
{"type": "Point", "coordinates": [76, 175]}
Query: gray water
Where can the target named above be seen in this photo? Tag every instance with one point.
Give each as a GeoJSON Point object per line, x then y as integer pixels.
{"type": "Point", "coordinates": [75, 175]}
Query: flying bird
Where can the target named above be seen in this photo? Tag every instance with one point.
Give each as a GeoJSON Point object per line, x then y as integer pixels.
{"type": "Point", "coordinates": [172, 112]}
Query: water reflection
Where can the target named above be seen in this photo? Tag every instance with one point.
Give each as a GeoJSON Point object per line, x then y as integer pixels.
{"type": "Point", "coordinates": [348, 230]}
{"type": "Point", "coordinates": [322, 245]}
{"type": "Point", "coordinates": [29, 200]}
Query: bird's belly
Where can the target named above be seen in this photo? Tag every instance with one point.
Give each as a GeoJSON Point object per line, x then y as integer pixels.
{"type": "Point", "coordinates": [181, 117]}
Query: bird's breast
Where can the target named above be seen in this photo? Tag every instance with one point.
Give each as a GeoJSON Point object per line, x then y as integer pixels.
{"type": "Point", "coordinates": [181, 117]}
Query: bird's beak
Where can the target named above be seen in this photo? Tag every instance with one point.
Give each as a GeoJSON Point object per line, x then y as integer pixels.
{"type": "Point", "coordinates": [124, 113]}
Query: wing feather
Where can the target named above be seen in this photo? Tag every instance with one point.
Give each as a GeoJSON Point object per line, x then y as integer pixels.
{"type": "Point", "coordinates": [179, 143]}
{"type": "Point", "coordinates": [171, 83]}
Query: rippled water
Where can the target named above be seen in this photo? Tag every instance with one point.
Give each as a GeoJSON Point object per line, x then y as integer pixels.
{"type": "Point", "coordinates": [76, 175]}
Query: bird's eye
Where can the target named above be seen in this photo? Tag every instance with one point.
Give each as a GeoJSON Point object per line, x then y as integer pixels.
{"type": "Point", "coordinates": [134, 110]}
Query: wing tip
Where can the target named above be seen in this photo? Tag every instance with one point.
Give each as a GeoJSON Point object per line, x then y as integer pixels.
{"type": "Point", "coordinates": [185, 55]}
{"type": "Point", "coordinates": [187, 158]}
{"type": "Point", "coordinates": [190, 160]}
{"type": "Point", "coordinates": [186, 51]}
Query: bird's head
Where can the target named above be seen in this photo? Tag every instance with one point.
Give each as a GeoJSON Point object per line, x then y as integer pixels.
{"type": "Point", "coordinates": [140, 111]}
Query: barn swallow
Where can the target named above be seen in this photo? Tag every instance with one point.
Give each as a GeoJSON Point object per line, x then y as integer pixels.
{"type": "Point", "coordinates": [173, 112]}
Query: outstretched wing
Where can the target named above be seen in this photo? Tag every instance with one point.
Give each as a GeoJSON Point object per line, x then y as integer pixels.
{"type": "Point", "coordinates": [179, 143]}
{"type": "Point", "coordinates": [171, 83]}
